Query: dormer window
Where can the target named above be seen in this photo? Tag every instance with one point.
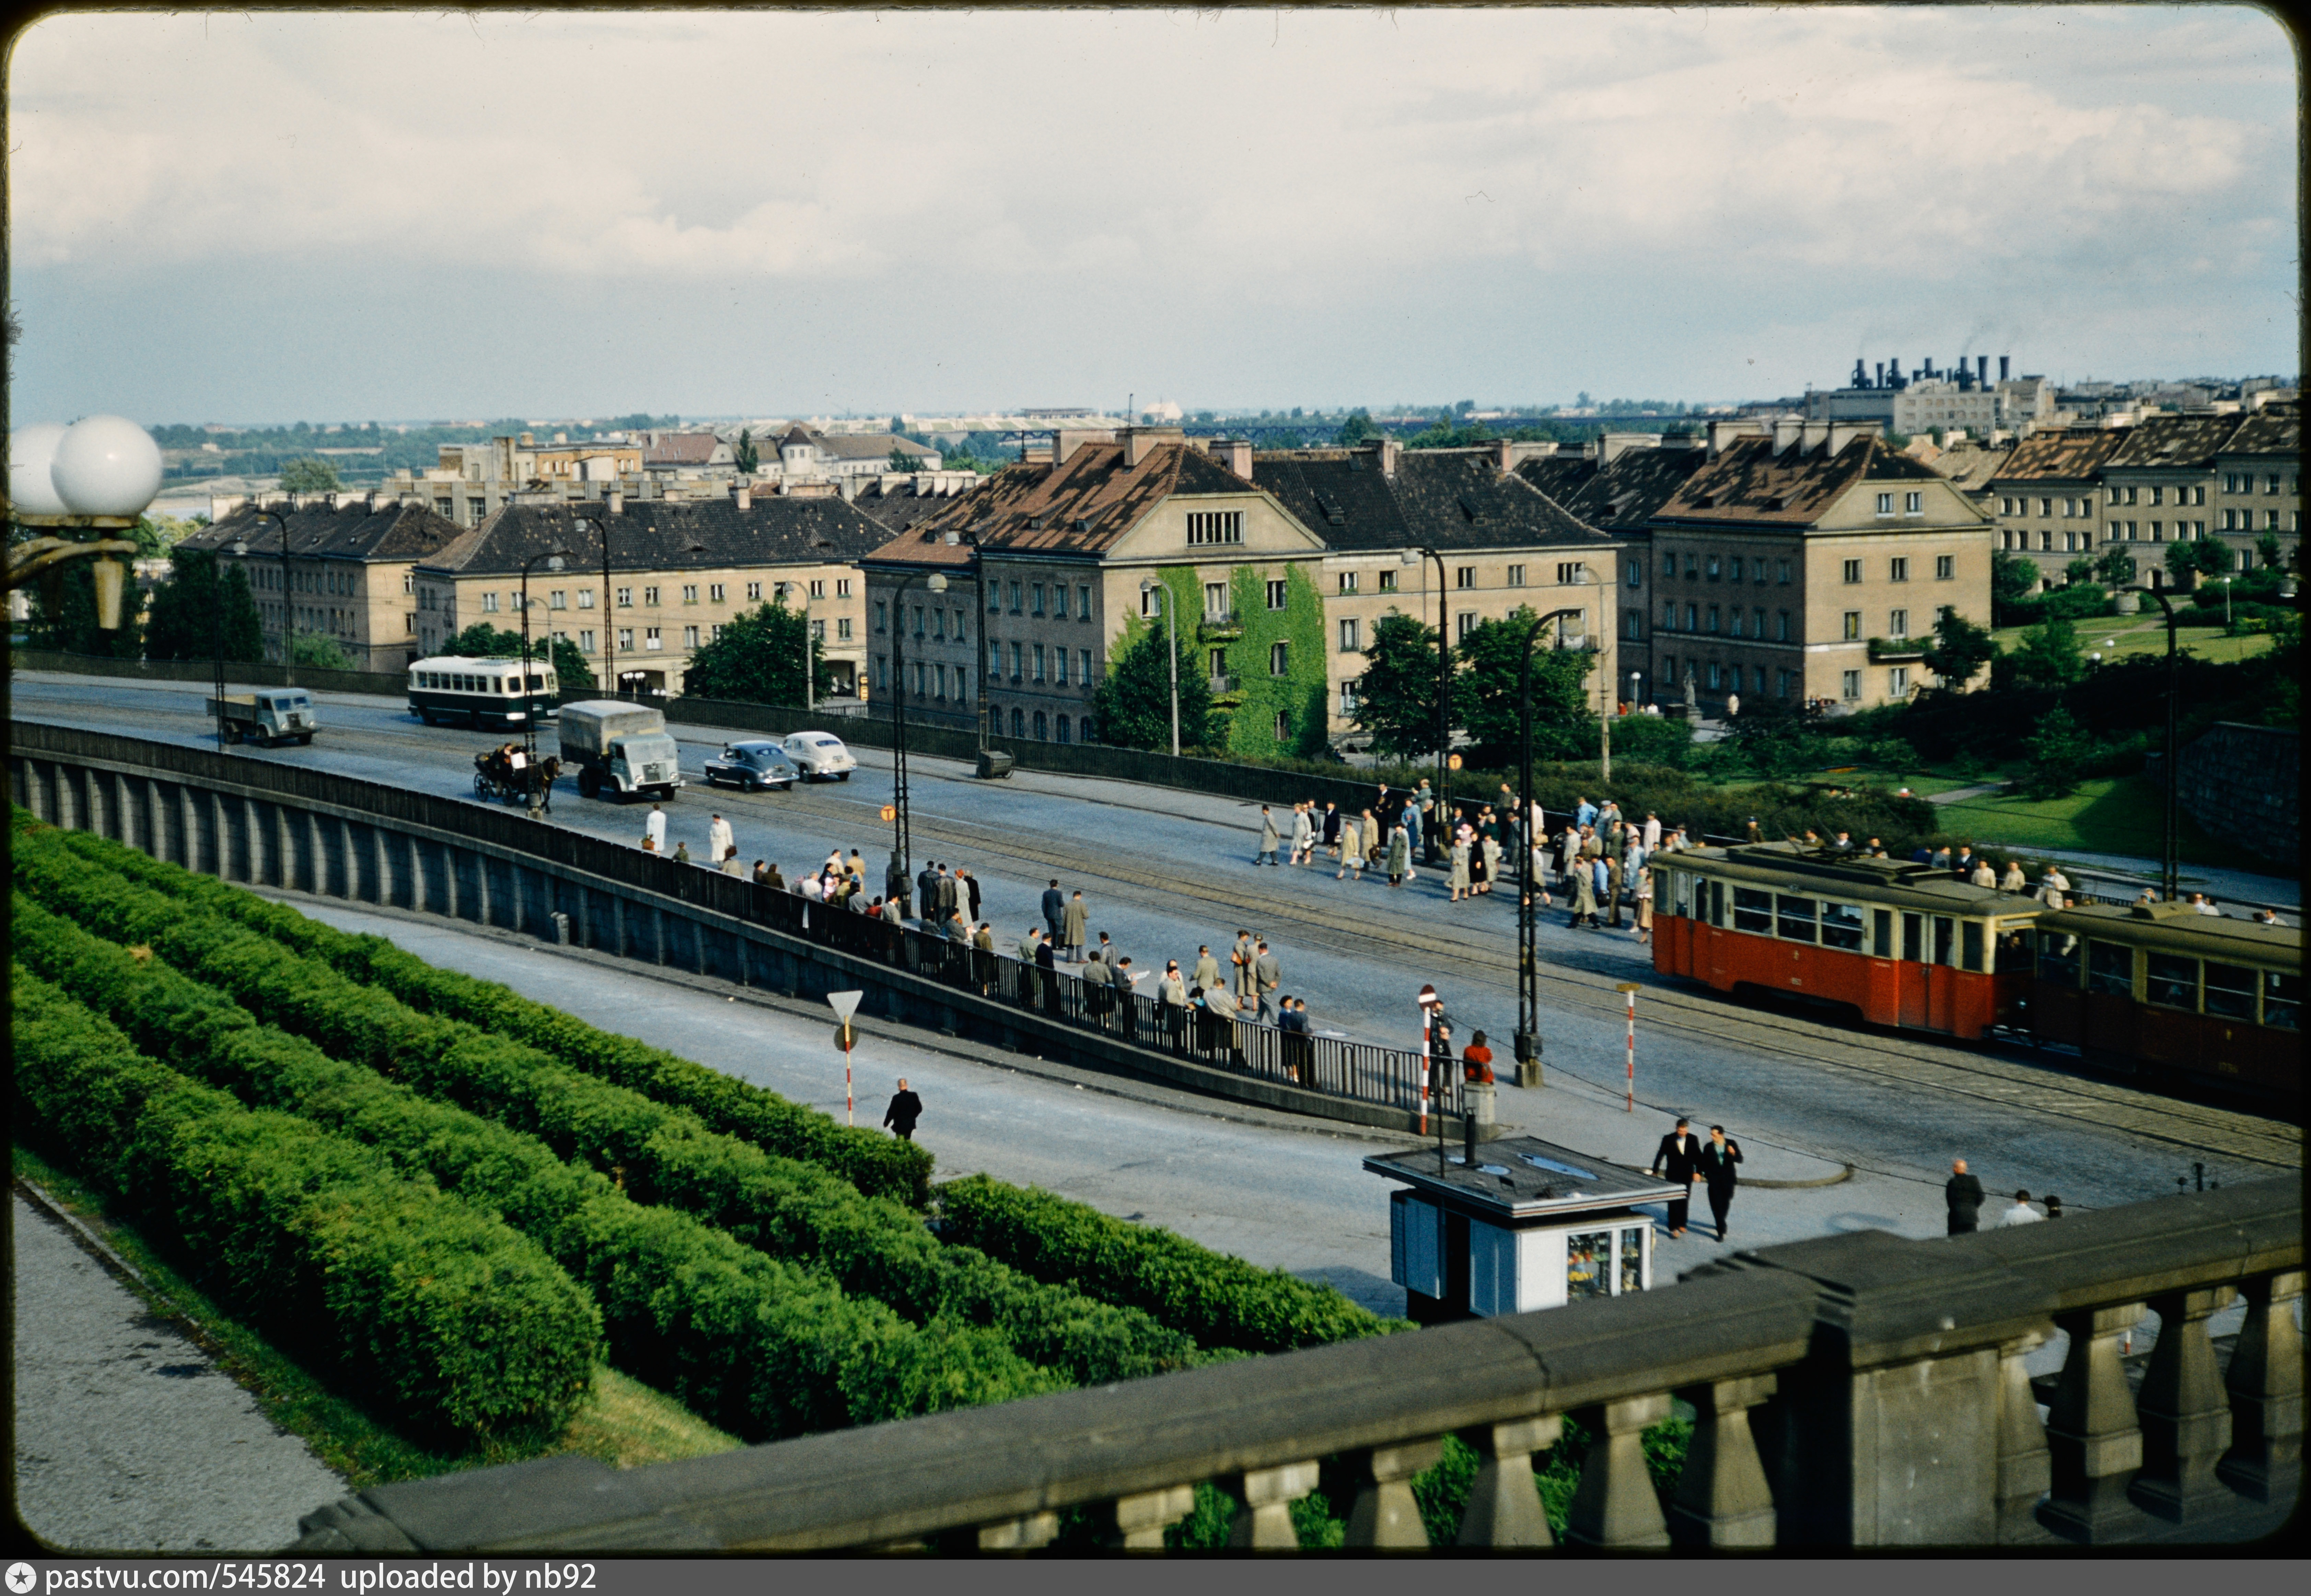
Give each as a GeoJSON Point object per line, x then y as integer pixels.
{"type": "Point", "coordinates": [1704, 501]}
{"type": "Point", "coordinates": [1776, 502]}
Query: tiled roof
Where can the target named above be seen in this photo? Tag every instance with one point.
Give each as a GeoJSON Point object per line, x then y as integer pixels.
{"type": "Point", "coordinates": [897, 511]}
{"type": "Point", "coordinates": [2174, 440]}
{"type": "Point", "coordinates": [658, 534]}
{"type": "Point", "coordinates": [1081, 506]}
{"type": "Point", "coordinates": [866, 446]}
{"type": "Point", "coordinates": [2274, 429]}
{"type": "Point", "coordinates": [1971, 465]}
{"type": "Point", "coordinates": [2061, 454]}
{"type": "Point", "coordinates": [1460, 499]}
{"type": "Point", "coordinates": [389, 531]}
{"type": "Point", "coordinates": [1618, 497]}
{"type": "Point", "coordinates": [1749, 482]}
{"type": "Point", "coordinates": [682, 448]}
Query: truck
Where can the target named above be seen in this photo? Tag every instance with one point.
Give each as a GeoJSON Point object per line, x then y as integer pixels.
{"type": "Point", "coordinates": [270, 715]}
{"type": "Point", "coordinates": [619, 747]}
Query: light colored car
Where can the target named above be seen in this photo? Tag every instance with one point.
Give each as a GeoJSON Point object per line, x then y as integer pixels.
{"type": "Point", "coordinates": [819, 755]}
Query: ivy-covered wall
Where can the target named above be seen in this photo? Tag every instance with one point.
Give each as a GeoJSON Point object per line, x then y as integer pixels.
{"type": "Point", "coordinates": [1299, 693]}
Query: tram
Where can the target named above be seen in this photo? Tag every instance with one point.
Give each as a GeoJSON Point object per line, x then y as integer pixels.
{"type": "Point", "coordinates": [1901, 943]}
{"type": "Point", "coordinates": [2162, 989]}
{"type": "Point", "coordinates": [481, 693]}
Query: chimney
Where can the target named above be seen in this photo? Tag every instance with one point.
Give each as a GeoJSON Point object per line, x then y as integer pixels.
{"type": "Point", "coordinates": [850, 488]}
{"type": "Point", "coordinates": [1982, 371]}
{"type": "Point", "coordinates": [1894, 373]}
{"type": "Point", "coordinates": [1235, 454]}
{"type": "Point", "coordinates": [1785, 432]}
{"type": "Point", "coordinates": [1842, 433]}
{"type": "Point", "coordinates": [1385, 450]}
{"type": "Point", "coordinates": [1034, 453]}
{"type": "Point", "coordinates": [2002, 369]}
{"type": "Point", "coordinates": [1881, 376]}
{"type": "Point", "coordinates": [525, 440]}
{"type": "Point", "coordinates": [617, 499]}
{"type": "Point", "coordinates": [1139, 442]}
{"type": "Point", "coordinates": [1503, 456]}
{"type": "Point", "coordinates": [1067, 440]}
{"type": "Point", "coordinates": [1861, 376]}
{"type": "Point", "coordinates": [1927, 369]}
{"type": "Point", "coordinates": [1813, 435]}
{"type": "Point", "coordinates": [745, 496]}
{"type": "Point", "coordinates": [1612, 445]}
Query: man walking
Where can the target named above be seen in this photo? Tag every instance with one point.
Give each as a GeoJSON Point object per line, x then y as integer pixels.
{"type": "Point", "coordinates": [1963, 1195]}
{"type": "Point", "coordinates": [1717, 1158]}
{"type": "Point", "coordinates": [654, 831]}
{"type": "Point", "coordinates": [719, 840]}
{"type": "Point", "coordinates": [1267, 975]}
{"type": "Point", "coordinates": [905, 1109]}
{"type": "Point", "coordinates": [1073, 925]}
{"type": "Point", "coordinates": [1267, 837]}
{"type": "Point", "coordinates": [1206, 972]}
{"type": "Point", "coordinates": [1240, 963]}
{"type": "Point", "coordinates": [1677, 1161]}
{"type": "Point", "coordinates": [1055, 905]}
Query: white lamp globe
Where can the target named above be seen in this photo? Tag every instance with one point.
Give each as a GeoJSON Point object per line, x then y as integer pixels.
{"type": "Point", "coordinates": [31, 450]}
{"type": "Point", "coordinates": [106, 466]}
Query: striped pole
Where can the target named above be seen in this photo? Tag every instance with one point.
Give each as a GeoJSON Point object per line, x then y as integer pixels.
{"type": "Point", "coordinates": [1630, 989]}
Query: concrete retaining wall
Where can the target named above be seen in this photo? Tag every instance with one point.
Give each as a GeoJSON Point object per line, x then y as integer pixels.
{"type": "Point", "coordinates": [2244, 784]}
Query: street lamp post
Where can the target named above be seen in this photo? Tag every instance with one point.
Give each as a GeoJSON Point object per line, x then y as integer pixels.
{"type": "Point", "coordinates": [96, 475]}
{"type": "Point", "coordinates": [2168, 867]}
{"type": "Point", "coordinates": [1432, 837]}
{"type": "Point", "coordinates": [809, 702]}
{"type": "Point", "coordinates": [609, 615]}
{"type": "Point", "coordinates": [1528, 1031]}
{"type": "Point", "coordinates": [216, 611]}
{"type": "Point", "coordinates": [895, 880]}
{"type": "Point", "coordinates": [1162, 596]}
{"type": "Point", "coordinates": [288, 608]}
{"type": "Point", "coordinates": [553, 560]}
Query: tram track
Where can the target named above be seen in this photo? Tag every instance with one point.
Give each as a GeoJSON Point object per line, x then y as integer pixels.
{"type": "Point", "coordinates": [1487, 959]}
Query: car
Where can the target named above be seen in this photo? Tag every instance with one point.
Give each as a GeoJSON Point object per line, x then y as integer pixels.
{"type": "Point", "coordinates": [752, 765]}
{"type": "Point", "coordinates": [820, 756]}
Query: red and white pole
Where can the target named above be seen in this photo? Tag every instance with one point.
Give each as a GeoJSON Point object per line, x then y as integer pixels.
{"type": "Point", "coordinates": [850, 1103]}
{"type": "Point", "coordinates": [1629, 989]}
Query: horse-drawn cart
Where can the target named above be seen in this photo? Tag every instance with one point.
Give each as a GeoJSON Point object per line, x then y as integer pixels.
{"type": "Point", "coordinates": [507, 773]}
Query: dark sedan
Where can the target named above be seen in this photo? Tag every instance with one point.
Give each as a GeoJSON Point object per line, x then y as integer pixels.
{"type": "Point", "coordinates": [752, 766]}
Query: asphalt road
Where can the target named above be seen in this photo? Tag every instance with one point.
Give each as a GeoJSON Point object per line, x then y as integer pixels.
{"type": "Point", "coordinates": [128, 1438]}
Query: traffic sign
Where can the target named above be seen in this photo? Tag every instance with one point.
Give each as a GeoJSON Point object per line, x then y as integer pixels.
{"type": "Point", "coordinates": [844, 1003]}
{"type": "Point", "coordinates": [890, 813]}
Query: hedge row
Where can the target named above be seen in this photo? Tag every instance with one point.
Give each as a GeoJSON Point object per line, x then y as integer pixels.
{"type": "Point", "coordinates": [874, 1246]}
{"type": "Point", "coordinates": [763, 1348]}
{"type": "Point", "coordinates": [1219, 1299]}
{"type": "Point", "coordinates": [463, 1330]}
{"type": "Point", "coordinates": [878, 1165]}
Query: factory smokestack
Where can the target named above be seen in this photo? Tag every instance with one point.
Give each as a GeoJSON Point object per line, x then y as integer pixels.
{"type": "Point", "coordinates": [2002, 368]}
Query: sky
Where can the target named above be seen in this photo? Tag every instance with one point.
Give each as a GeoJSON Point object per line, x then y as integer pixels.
{"type": "Point", "coordinates": [267, 217]}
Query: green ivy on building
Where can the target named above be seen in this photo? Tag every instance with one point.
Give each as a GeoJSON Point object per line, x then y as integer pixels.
{"type": "Point", "coordinates": [1298, 694]}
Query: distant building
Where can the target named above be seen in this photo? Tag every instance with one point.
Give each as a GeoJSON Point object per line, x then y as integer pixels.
{"type": "Point", "coordinates": [1961, 398]}
{"type": "Point", "coordinates": [2042, 496]}
{"type": "Point", "coordinates": [802, 455]}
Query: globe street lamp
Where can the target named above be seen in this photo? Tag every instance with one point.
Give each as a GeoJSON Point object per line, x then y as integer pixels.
{"type": "Point", "coordinates": [96, 475]}
{"type": "Point", "coordinates": [1162, 595]}
{"type": "Point", "coordinates": [216, 611]}
{"type": "Point", "coordinates": [288, 608]}
{"type": "Point", "coordinates": [895, 881]}
{"type": "Point", "coordinates": [553, 560]}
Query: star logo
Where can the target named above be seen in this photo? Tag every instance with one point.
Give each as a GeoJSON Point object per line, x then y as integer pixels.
{"type": "Point", "coordinates": [22, 1578]}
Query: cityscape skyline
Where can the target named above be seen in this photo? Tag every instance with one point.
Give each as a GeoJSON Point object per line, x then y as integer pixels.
{"type": "Point", "coordinates": [814, 215]}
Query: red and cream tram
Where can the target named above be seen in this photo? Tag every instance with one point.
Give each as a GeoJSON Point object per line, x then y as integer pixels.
{"type": "Point", "coordinates": [1903, 944]}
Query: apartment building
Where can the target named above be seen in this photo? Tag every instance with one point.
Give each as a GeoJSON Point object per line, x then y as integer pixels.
{"type": "Point", "coordinates": [1616, 485]}
{"type": "Point", "coordinates": [2258, 483]}
{"type": "Point", "coordinates": [470, 482]}
{"type": "Point", "coordinates": [2045, 499]}
{"type": "Point", "coordinates": [679, 570]}
{"type": "Point", "coordinates": [804, 456]}
{"type": "Point", "coordinates": [343, 571]}
{"type": "Point", "coordinates": [1809, 565]}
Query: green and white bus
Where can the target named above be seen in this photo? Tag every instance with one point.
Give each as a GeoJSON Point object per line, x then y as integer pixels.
{"type": "Point", "coordinates": [480, 692]}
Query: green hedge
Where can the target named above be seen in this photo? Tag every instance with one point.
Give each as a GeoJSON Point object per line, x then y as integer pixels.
{"type": "Point", "coordinates": [877, 1165]}
{"type": "Point", "coordinates": [1220, 1300]}
{"type": "Point", "coordinates": [873, 1246]}
{"type": "Point", "coordinates": [459, 1327]}
{"type": "Point", "coordinates": [759, 1347]}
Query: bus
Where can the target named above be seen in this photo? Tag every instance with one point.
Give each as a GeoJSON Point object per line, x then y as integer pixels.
{"type": "Point", "coordinates": [480, 692]}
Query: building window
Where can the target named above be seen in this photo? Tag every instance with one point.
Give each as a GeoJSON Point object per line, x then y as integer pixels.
{"type": "Point", "coordinates": [1781, 684]}
{"type": "Point", "coordinates": [1781, 626]}
{"type": "Point", "coordinates": [1668, 564]}
{"type": "Point", "coordinates": [690, 593]}
{"type": "Point", "coordinates": [1388, 581]}
{"type": "Point", "coordinates": [1060, 667]}
{"type": "Point", "coordinates": [1035, 599]}
{"type": "Point", "coordinates": [1885, 504]}
{"type": "Point", "coordinates": [1692, 566]}
{"type": "Point", "coordinates": [1464, 624]}
{"type": "Point", "coordinates": [1852, 630]}
{"type": "Point", "coordinates": [1897, 624]}
{"type": "Point", "coordinates": [1736, 619]}
{"type": "Point", "coordinates": [994, 657]}
{"type": "Point", "coordinates": [1945, 566]}
{"type": "Point", "coordinates": [919, 620]}
{"type": "Point", "coordinates": [1351, 637]}
{"type": "Point", "coordinates": [818, 631]}
{"type": "Point", "coordinates": [1897, 570]}
{"type": "Point", "coordinates": [489, 603]}
{"type": "Point", "coordinates": [627, 639]}
{"type": "Point", "coordinates": [1783, 575]}
{"type": "Point", "coordinates": [1913, 504]}
{"type": "Point", "coordinates": [557, 601]}
{"type": "Point", "coordinates": [1637, 573]}
{"type": "Point", "coordinates": [1348, 585]}
{"type": "Point", "coordinates": [1572, 573]}
{"type": "Point", "coordinates": [1712, 618]}
{"type": "Point", "coordinates": [1216, 601]}
{"type": "Point", "coordinates": [1215, 526]}
{"type": "Point", "coordinates": [1275, 597]}
{"type": "Point", "coordinates": [1635, 625]}
{"type": "Point", "coordinates": [650, 639]}
{"type": "Point", "coordinates": [625, 598]}
{"type": "Point", "coordinates": [1693, 618]}
{"type": "Point", "coordinates": [1279, 661]}
{"type": "Point", "coordinates": [1717, 675]}
{"type": "Point", "coordinates": [1464, 575]}
{"type": "Point", "coordinates": [1712, 568]}
{"type": "Point", "coordinates": [1018, 663]}
{"type": "Point", "coordinates": [1669, 616]}
{"type": "Point", "coordinates": [1849, 684]}
{"type": "Point", "coordinates": [1348, 697]}
{"type": "Point", "coordinates": [1015, 598]}
{"type": "Point", "coordinates": [1733, 570]}
{"type": "Point", "coordinates": [1852, 571]}
{"type": "Point", "coordinates": [1060, 600]}
{"type": "Point", "coordinates": [689, 636]}
{"type": "Point", "coordinates": [1040, 736]}
{"type": "Point", "coordinates": [843, 628]}
{"type": "Point", "coordinates": [649, 595]}
{"type": "Point", "coordinates": [408, 581]}
{"type": "Point", "coordinates": [1516, 576]}
{"type": "Point", "coordinates": [1897, 682]}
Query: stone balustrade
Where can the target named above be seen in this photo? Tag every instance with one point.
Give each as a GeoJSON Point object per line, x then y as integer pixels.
{"type": "Point", "coordinates": [1856, 1389]}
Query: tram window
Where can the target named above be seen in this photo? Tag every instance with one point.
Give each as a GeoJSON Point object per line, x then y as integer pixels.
{"type": "Point", "coordinates": [2110, 970]}
{"type": "Point", "coordinates": [1943, 938]}
{"type": "Point", "coordinates": [2058, 958]}
{"type": "Point", "coordinates": [2230, 991]}
{"type": "Point", "coordinates": [1841, 925]}
{"type": "Point", "coordinates": [2172, 982]}
{"type": "Point", "coordinates": [1681, 893]}
{"type": "Point", "coordinates": [537, 683]}
{"type": "Point", "coordinates": [2010, 953]}
{"type": "Point", "coordinates": [1716, 903]}
{"type": "Point", "coordinates": [1881, 933]}
{"type": "Point", "coordinates": [1914, 937]}
{"type": "Point", "coordinates": [1969, 944]}
{"type": "Point", "coordinates": [1795, 917]}
{"type": "Point", "coordinates": [2282, 1001]}
{"type": "Point", "coordinates": [1753, 911]}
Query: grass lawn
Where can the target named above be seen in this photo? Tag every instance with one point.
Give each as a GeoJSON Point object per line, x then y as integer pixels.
{"type": "Point", "coordinates": [626, 1424]}
{"type": "Point", "coordinates": [2115, 635]}
{"type": "Point", "coordinates": [2121, 815]}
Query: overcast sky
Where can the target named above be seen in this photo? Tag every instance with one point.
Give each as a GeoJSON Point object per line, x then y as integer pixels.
{"type": "Point", "coordinates": [269, 218]}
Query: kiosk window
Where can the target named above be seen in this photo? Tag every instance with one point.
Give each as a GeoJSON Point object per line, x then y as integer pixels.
{"type": "Point", "coordinates": [1632, 1261]}
{"type": "Point", "coordinates": [1969, 944]}
{"type": "Point", "coordinates": [1841, 925]}
{"type": "Point", "coordinates": [1795, 917]}
{"type": "Point", "coordinates": [2230, 991]}
{"type": "Point", "coordinates": [1753, 911]}
{"type": "Point", "coordinates": [2282, 1001]}
{"type": "Point", "coordinates": [2172, 982]}
{"type": "Point", "coordinates": [2110, 970]}
{"type": "Point", "coordinates": [1588, 1265]}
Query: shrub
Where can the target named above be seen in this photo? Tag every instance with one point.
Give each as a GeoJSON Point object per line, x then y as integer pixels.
{"type": "Point", "coordinates": [463, 1328]}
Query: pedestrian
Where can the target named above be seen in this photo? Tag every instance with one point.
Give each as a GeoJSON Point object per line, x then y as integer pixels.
{"type": "Point", "coordinates": [2266, 915]}
{"type": "Point", "coordinates": [1413, 816]}
{"type": "Point", "coordinates": [1459, 883]}
{"type": "Point", "coordinates": [1293, 1021]}
{"type": "Point", "coordinates": [1962, 867]}
{"type": "Point", "coordinates": [1399, 854]}
{"type": "Point", "coordinates": [1485, 866]}
{"type": "Point", "coordinates": [1207, 968]}
{"type": "Point", "coordinates": [766, 875]}
{"type": "Point", "coordinates": [983, 957]}
{"type": "Point", "coordinates": [1962, 1194]}
{"type": "Point", "coordinates": [1171, 992]}
{"type": "Point", "coordinates": [1074, 921]}
{"type": "Point", "coordinates": [1267, 975]}
{"type": "Point", "coordinates": [969, 889]}
{"type": "Point", "coordinates": [1241, 958]}
{"type": "Point", "coordinates": [2022, 1213]}
{"type": "Point", "coordinates": [1047, 968]}
{"type": "Point", "coordinates": [905, 1109]}
{"type": "Point", "coordinates": [682, 853]}
{"type": "Point", "coordinates": [2049, 892]}
{"type": "Point", "coordinates": [1304, 834]}
{"type": "Point", "coordinates": [1267, 837]}
{"type": "Point", "coordinates": [1027, 945]}
{"type": "Point", "coordinates": [1331, 831]}
{"type": "Point", "coordinates": [1753, 832]}
{"type": "Point", "coordinates": [654, 830]}
{"type": "Point", "coordinates": [1984, 876]}
{"type": "Point", "coordinates": [2053, 1206]}
{"type": "Point", "coordinates": [1477, 1060]}
{"type": "Point", "coordinates": [1644, 932]}
{"type": "Point", "coordinates": [1055, 906]}
{"type": "Point", "coordinates": [1351, 850]}
{"type": "Point", "coordinates": [1096, 987]}
{"type": "Point", "coordinates": [1585, 898]}
{"type": "Point", "coordinates": [1652, 831]}
{"type": "Point", "coordinates": [1941, 858]}
{"type": "Point", "coordinates": [730, 865]}
{"type": "Point", "coordinates": [1677, 1161]}
{"type": "Point", "coordinates": [2200, 904]}
{"type": "Point", "coordinates": [1715, 1163]}
{"type": "Point", "coordinates": [890, 911]}
{"type": "Point", "coordinates": [717, 836]}
{"type": "Point", "coordinates": [2013, 881]}
{"type": "Point", "coordinates": [1584, 813]}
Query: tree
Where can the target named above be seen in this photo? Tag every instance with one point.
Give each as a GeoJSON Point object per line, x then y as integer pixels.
{"type": "Point", "coordinates": [182, 623]}
{"type": "Point", "coordinates": [571, 674]}
{"type": "Point", "coordinates": [758, 658]}
{"type": "Point", "coordinates": [2210, 557]}
{"type": "Point", "coordinates": [2050, 655]}
{"type": "Point", "coordinates": [745, 455]}
{"type": "Point", "coordinates": [2117, 568]}
{"type": "Point", "coordinates": [2011, 578]}
{"type": "Point", "coordinates": [321, 651]}
{"type": "Point", "coordinates": [1775, 740]}
{"type": "Point", "coordinates": [1959, 650]}
{"type": "Point", "coordinates": [482, 640]}
{"type": "Point", "coordinates": [1132, 704]}
{"type": "Point", "coordinates": [902, 461]}
{"type": "Point", "coordinates": [1489, 694]}
{"type": "Point", "coordinates": [2079, 571]}
{"type": "Point", "coordinates": [2058, 753]}
{"type": "Point", "coordinates": [310, 474]}
{"type": "Point", "coordinates": [1357, 428]}
{"type": "Point", "coordinates": [1396, 699]}
{"type": "Point", "coordinates": [2267, 546]}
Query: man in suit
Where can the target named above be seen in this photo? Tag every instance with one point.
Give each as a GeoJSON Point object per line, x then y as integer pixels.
{"type": "Point", "coordinates": [1267, 975]}
{"type": "Point", "coordinates": [1963, 1193]}
{"type": "Point", "coordinates": [1715, 1163]}
{"type": "Point", "coordinates": [1055, 905]}
{"type": "Point", "coordinates": [905, 1109]}
{"type": "Point", "coordinates": [1675, 1160]}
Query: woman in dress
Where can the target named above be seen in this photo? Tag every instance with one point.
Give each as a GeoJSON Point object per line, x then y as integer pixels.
{"type": "Point", "coordinates": [1479, 876]}
{"type": "Point", "coordinates": [1644, 905]}
{"type": "Point", "coordinates": [1399, 854]}
{"type": "Point", "coordinates": [1460, 883]}
{"type": "Point", "coordinates": [1489, 857]}
{"type": "Point", "coordinates": [1352, 851]}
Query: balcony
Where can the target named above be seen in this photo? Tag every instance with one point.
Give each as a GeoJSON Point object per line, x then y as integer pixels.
{"type": "Point", "coordinates": [1219, 627]}
{"type": "Point", "coordinates": [1223, 686]}
{"type": "Point", "coordinates": [1895, 651]}
{"type": "Point", "coordinates": [1888, 1375]}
